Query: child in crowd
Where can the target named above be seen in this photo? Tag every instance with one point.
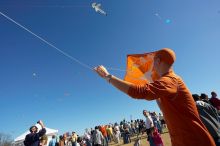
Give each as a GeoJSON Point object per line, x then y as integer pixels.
{"type": "Point", "coordinates": [43, 140]}
{"type": "Point", "coordinates": [157, 138]}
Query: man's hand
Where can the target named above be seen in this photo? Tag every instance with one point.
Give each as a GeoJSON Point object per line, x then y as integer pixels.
{"type": "Point", "coordinates": [118, 83]}
{"type": "Point", "coordinates": [102, 71]}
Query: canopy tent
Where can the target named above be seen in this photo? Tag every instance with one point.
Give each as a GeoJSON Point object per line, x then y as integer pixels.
{"type": "Point", "coordinates": [49, 132]}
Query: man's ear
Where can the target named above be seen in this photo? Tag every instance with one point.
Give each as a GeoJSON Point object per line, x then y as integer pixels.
{"type": "Point", "coordinates": [157, 61]}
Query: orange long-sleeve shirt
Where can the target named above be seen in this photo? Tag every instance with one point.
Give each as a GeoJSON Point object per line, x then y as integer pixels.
{"type": "Point", "coordinates": [103, 130]}
{"type": "Point", "coordinates": [179, 109]}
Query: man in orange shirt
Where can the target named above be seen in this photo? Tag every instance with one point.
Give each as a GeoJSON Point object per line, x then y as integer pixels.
{"type": "Point", "coordinates": [174, 99]}
{"type": "Point", "coordinates": [104, 133]}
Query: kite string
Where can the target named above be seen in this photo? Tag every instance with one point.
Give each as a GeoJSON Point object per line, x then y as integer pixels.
{"type": "Point", "coordinates": [117, 69]}
{"type": "Point", "coordinates": [48, 43]}
{"type": "Point", "coordinates": [53, 46]}
{"type": "Point", "coordinates": [49, 6]}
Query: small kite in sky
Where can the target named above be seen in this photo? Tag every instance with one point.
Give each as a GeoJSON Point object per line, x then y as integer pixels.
{"type": "Point", "coordinates": [34, 74]}
{"type": "Point", "coordinates": [167, 21]}
{"type": "Point", "coordinates": [98, 9]}
{"type": "Point", "coordinates": [158, 16]}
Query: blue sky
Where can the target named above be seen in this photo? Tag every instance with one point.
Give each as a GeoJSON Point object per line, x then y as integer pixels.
{"type": "Point", "coordinates": [69, 97]}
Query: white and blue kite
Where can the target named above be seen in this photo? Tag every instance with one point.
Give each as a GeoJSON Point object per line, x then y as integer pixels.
{"type": "Point", "coordinates": [98, 9]}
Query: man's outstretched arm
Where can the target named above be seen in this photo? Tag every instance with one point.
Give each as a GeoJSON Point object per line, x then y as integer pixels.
{"type": "Point", "coordinates": [147, 91]}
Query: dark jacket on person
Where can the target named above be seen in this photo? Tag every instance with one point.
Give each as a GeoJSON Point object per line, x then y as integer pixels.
{"type": "Point", "coordinates": [33, 139]}
{"type": "Point", "coordinates": [209, 117]}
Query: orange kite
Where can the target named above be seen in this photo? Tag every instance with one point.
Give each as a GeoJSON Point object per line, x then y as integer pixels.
{"type": "Point", "coordinates": [139, 68]}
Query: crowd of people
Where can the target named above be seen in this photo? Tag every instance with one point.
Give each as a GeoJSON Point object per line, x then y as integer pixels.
{"type": "Point", "coordinates": [152, 125]}
{"type": "Point", "coordinates": [118, 133]}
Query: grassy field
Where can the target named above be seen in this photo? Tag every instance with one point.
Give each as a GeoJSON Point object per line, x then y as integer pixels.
{"type": "Point", "coordinates": [165, 136]}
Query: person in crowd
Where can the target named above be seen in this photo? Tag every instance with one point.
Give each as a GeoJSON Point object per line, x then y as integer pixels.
{"type": "Point", "coordinates": [43, 140]}
{"type": "Point", "coordinates": [162, 121]}
{"type": "Point", "coordinates": [215, 101]}
{"type": "Point", "coordinates": [33, 138]}
{"type": "Point", "coordinates": [141, 127]}
{"type": "Point", "coordinates": [173, 98]}
{"type": "Point", "coordinates": [53, 141]}
{"type": "Point", "coordinates": [87, 137]}
{"type": "Point", "coordinates": [133, 131]}
{"type": "Point", "coordinates": [80, 142]}
{"type": "Point", "coordinates": [109, 132]}
{"type": "Point", "coordinates": [117, 133]}
{"type": "Point", "coordinates": [209, 117]}
{"type": "Point", "coordinates": [204, 97]}
{"type": "Point", "coordinates": [137, 126]}
{"type": "Point", "coordinates": [126, 135]}
{"type": "Point", "coordinates": [157, 138]}
{"type": "Point", "coordinates": [74, 138]}
{"type": "Point", "coordinates": [63, 140]}
{"type": "Point", "coordinates": [97, 137]}
{"type": "Point", "coordinates": [149, 123]}
{"type": "Point", "coordinates": [156, 121]}
{"type": "Point", "coordinates": [104, 133]}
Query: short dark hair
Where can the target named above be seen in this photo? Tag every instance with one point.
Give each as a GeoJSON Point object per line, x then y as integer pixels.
{"type": "Point", "coordinates": [79, 139]}
{"type": "Point", "coordinates": [196, 97]}
{"type": "Point", "coordinates": [61, 137]}
{"type": "Point", "coordinates": [213, 93]}
{"type": "Point", "coordinates": [32, 127]}
{"type": "Point", "coordinates": [203, 96]}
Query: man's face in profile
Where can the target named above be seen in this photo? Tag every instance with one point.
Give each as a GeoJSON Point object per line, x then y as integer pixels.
{"type": "Point", "coordinates": [145, 113]}
{"type": "Point", "coordinates": [156, 64]}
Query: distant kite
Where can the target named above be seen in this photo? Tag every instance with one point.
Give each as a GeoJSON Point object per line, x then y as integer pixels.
{"type": "Point", "coordinates": [167, 21]}
{"type": "Point", "coordinates": [34, 74]}
{"type": "Point", "coordinates": [98, 9]}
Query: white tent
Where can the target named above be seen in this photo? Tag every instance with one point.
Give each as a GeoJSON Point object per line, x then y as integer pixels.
{"type": "Point", "coordinates": [49, 132]}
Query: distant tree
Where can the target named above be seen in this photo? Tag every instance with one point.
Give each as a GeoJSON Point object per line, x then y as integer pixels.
{"type": "Point", "coordinates": [5, 140]}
